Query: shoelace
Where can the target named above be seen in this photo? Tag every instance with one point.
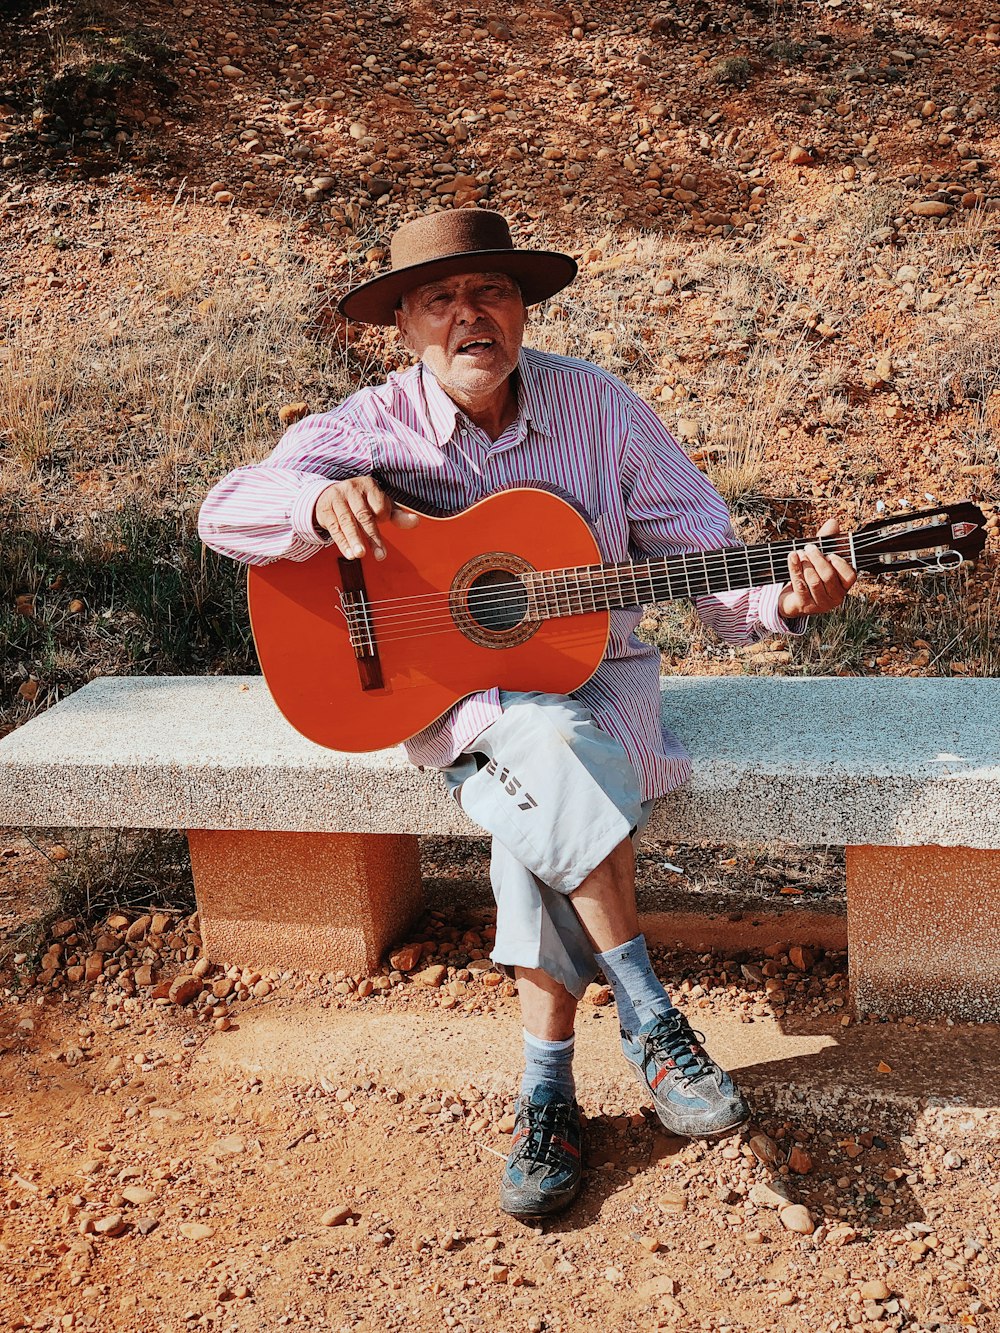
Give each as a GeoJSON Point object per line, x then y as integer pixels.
{"type": "Point", "coordinates": [673, 1040]}
{"type": "Point", "coordinates": [546, 1125]}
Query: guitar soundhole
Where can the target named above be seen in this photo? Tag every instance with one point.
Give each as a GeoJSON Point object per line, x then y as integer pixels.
{"type": "Point", "coordinates": [498, 601]}
{"type": "Point", "coordinates": [489, 601]}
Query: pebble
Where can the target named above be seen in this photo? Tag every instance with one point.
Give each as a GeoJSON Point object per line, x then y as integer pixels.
{"type": "Point", "coordinates": [799, 1161]}
{"type": "Point", "coordinates": [875, 1290]}
{"type": "Point", "coordinates": [407, 958]}
{"type": "Point", "coordinates": [431, 976]}
{"type": "Point", "coordinates": [800, 157]}
{"type": "Point", "coordinates": [288, 414]}
{"type": "Point", "coordinates": [766, 1150]}
{"type": "Point", "coordinates": [931, 208]}
{"type": "Point", "coordinates": [953, 1160]}
{"type": "Point", "coordinates": [196, 1230]}
{"type": "Point", "coordinates": [183, 989]}
{"type": "Point", "coordinates": [796, 1217]}
{"type": "Point", "coordinates": [337, 1216]}
{"type": "Point", "coordinates": [769, 1194]}
{"type": "Point", "coordinates": [138, 1194]}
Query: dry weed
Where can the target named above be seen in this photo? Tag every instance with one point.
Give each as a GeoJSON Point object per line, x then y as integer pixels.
{"type": "Point", "coordinates": [180, 379]}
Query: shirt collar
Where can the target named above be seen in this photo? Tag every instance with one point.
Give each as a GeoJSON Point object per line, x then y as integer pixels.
{"type": "Point", "coordinates": [444, 412]}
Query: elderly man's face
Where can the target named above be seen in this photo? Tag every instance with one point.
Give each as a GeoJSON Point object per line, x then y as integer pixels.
{"type": "Point", "coordinates": [466, 329]}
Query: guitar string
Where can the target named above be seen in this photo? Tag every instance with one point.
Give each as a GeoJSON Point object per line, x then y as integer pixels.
{"type": "Point", "coordinates": [437, 603]}
{"type": "Point", "coordinates": [756, 557]}
{"type": "Point", "coordinates": [445, 624]}
{"type": "Point", "coordinates": [624, 569]}
{"type": "Point", "coordinates": [416, 626]}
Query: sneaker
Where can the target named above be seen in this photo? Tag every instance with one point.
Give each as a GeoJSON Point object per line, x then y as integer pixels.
{"type": "Point", "coordinates": [692, 1095]}
{"type": "Point", "coordinates": [543, 1170]}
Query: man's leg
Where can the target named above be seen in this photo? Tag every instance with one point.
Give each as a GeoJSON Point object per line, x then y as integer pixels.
{"type": "Point", "coordinates": [562, 800]}
{"type": "Point", "coordinates": [691, 1093]}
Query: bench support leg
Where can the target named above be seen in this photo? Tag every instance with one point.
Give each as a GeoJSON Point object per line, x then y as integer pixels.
{"type": "Point", "coordinates": [317, 902]}
{"type": "Point", "coordinates": [923, 927]}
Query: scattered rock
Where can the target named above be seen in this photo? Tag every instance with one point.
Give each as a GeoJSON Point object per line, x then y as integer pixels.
{"type": "Point", "coordinates": [184, 989]}
{"type": "Point", "coordinates": [431, 976]}
{"type": "Point", "coordinates": [796, 1217]}
{"type": "Point", "coordinates": [138, 1195]}
{"type": "Point", "coordinates": [292, 412]}
{"type": "Point", "coordinates": [196, 1230]}
{"type": "Point", "coordinates": [769, 1194]}
{"type": "Point", "coordinates": [407, 958]}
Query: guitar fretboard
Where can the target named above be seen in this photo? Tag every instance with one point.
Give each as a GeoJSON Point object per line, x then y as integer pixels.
{"type": "Point", "coordinates": [577, 590]}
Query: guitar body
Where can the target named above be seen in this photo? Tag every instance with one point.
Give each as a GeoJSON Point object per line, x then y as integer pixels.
{"type": "Point", "coordinates": [435, 614]}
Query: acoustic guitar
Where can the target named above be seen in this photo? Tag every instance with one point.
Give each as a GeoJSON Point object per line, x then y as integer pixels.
{"type": "Point", "coordinates": [512, 592]}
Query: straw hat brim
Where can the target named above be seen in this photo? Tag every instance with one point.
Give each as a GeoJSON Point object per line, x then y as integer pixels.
{"type": "Point", "coordinates": [539, 274]}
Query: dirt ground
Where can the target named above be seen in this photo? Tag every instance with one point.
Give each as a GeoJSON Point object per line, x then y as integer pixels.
{"type": "Point", "coordinates": [259, 1152]}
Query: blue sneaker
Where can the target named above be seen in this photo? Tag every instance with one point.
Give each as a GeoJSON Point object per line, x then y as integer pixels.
{"type": "Point", "coordinates": [692, 1095]}
{"type": "Point", "coordinates": [543, 1169]}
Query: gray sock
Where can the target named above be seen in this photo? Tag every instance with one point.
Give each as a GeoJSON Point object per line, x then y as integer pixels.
{"type": "Point", "coordinates": [638, 994]}
{"type": "Point", "coordinates": [549, 1062]}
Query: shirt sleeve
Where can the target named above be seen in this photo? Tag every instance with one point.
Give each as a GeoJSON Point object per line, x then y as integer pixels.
{"type": "Point", "coordinates": [264, 512]}
{"type": "Point", "coordinates": [672, 508]}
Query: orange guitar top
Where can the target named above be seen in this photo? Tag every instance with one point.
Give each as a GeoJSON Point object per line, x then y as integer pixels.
{"type": "Point", "coordinates": [430, 649]}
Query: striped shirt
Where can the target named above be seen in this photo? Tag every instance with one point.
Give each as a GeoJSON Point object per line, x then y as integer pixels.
{"type": "Point", "coordinates": [578, 428]}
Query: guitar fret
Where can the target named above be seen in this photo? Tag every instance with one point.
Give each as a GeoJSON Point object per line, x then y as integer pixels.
{"type": "Point", "coordinates": [567, 593]}
{"type": "Point", "coordinates": [578, 585]}
{"type": "Point", "coordinates": [722, 572]}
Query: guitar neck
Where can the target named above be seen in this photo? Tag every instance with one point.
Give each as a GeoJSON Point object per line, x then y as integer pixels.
{"type": "Point", "coordinates": [583, 588]}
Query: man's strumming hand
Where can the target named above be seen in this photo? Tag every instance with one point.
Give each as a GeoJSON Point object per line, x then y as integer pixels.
{"type": "Point", "coordinates": [818, 582]}
{"type": "Point", "coordinates": [351, 510]}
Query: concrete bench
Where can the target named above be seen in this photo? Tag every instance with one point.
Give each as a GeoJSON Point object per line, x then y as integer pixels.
{"type": "Point", "coordinates": [306, 857]}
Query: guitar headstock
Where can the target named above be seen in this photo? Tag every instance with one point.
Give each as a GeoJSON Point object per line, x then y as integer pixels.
{"type": "Point", "coordinates": [933, 539]}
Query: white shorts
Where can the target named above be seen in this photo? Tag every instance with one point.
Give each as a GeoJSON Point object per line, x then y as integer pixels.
{"type": "Point", "coordinates": [559, 795]}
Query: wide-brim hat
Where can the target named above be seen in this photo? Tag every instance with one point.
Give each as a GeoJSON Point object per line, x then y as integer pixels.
{"type": "Point", "coordinates": [456, 240]}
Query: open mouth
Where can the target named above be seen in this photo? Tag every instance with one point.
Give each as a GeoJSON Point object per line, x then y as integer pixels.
{"type": "Point", "coordinates": [475, 346]}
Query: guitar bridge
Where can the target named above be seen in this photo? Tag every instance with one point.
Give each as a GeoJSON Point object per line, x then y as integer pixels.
{"type": "Point", "coordinates": [360, 629]}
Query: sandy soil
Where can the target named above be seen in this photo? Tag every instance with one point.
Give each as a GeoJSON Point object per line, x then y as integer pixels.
{"type": "Point", "coordinates": [315, 1151]}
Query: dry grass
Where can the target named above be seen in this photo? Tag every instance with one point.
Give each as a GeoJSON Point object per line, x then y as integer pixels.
{"type": "Point", "coordinates": [960, 618]}
{"type": "Point", "coordinates": [180, 378]}
{"type": "Point", "coordinates": [111, 433]}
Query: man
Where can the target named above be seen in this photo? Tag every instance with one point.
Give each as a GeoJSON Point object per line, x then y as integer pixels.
{"type": "Point", "coordinates": [479, 413]}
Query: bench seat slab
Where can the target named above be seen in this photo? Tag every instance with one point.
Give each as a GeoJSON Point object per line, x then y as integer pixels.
{"type": "Point", "coordinates": [316, 902]}
{"type": "Point", "coordinates": [923, 928]}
